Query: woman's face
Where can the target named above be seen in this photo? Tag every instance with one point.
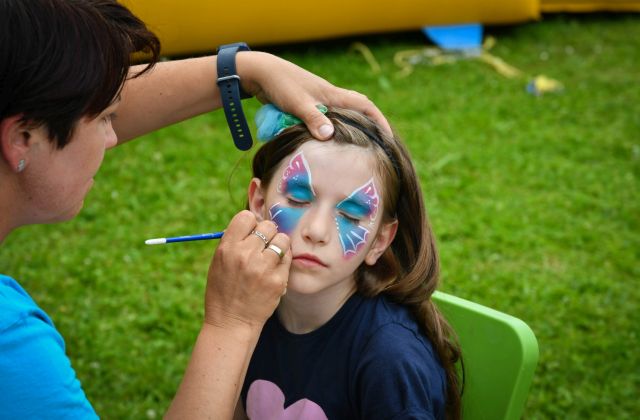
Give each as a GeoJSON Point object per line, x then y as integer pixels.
{"type": "Point", "coordinates": [56, 181]}
{"type": "Point", "coordinates": [328, 199]}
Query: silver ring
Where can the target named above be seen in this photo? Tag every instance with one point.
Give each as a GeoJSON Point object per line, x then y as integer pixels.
{"type": "Point", "coordinates": [276, 249]}
{"type": "Point", "coordinates": [261, 236]}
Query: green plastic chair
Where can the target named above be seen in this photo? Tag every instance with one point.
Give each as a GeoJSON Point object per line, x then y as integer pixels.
{"type": "Point", "coordinates": [500, 354]}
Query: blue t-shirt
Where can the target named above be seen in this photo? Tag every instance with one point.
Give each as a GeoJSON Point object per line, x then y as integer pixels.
{"type": "Point", "coordinates": [36, 377]}
{"type": "Point", "coordinates": [370, 361]}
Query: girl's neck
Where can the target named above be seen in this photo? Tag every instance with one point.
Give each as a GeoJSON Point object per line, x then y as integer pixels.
{"type": "Point", "coordinates": [301, 313]}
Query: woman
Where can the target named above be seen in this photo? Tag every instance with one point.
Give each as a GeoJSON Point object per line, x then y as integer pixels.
{"type": "Point", "coordinates": [64, 75]}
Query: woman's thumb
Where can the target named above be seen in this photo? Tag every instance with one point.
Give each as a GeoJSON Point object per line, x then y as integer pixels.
{"type": "Point", "coordinates": [318, 124]}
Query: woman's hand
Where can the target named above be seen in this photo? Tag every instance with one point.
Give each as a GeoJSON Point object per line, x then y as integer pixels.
{"type": "Point", "coordinates": [246, 279]}
{"type": "Point", "coordinates": [244, 286]}
{"type": "Point", "coordinates": [297, 91]}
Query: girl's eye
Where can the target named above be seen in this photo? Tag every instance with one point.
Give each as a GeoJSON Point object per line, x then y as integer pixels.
{"type": "Point", "coordinates": [296, 203]}
{"type": "Point", "coordinates": [350, 218]}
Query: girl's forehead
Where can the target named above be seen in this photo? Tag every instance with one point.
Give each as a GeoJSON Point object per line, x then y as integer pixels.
{"type": "Point", "coordinates": [337, 167]}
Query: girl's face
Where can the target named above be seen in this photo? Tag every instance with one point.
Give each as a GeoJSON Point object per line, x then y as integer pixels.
{"type": "Point", "coordinates": [328, 199]}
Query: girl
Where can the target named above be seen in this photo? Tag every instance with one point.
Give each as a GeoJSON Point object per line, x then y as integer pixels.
{"type": "Point", "coordinates": [356, 336]}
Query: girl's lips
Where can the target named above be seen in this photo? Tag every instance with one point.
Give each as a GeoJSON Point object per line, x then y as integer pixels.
{"type": "Point", "coordinates": [309, 260]}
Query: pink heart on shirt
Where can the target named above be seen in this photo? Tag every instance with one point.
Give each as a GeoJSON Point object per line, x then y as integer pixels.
{"type": "Point", "coordinates": [265, 401]}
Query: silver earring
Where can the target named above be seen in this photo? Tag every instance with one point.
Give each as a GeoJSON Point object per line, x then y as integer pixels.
{"type": "Point", "coordinates": [21, 165]}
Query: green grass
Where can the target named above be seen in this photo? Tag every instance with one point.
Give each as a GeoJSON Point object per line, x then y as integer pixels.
{"type": "Point", "coordinates": [535, 202]}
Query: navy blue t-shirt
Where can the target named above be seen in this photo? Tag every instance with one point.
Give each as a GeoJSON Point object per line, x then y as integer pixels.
{"type": "Point", "coordinates": [370, 361]}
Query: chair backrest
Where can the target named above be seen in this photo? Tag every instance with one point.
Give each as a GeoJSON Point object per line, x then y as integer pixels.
{"type": "Point", "coordinates": [500, 354]}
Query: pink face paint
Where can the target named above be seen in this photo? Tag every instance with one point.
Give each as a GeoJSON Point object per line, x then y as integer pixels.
{"type": "Point", "coordinates": [297, 177]}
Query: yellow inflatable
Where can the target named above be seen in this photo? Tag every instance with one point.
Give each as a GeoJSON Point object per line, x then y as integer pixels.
{"type": "Point", "coordinates": [590, 6]}
{"type": "Point", "coordinates": [196, 26]}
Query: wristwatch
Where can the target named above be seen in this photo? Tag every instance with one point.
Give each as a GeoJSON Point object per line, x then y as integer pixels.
{"type": "Point", "coordinates": [231, 93]}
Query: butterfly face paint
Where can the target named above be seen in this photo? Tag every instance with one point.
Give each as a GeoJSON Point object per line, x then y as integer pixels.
{"type": "Point", "coordinates": [362, 204]}
{"type": "Point", "coordinates": [359, 207]}
{"type": "Point", "coordinates": [296, 185]}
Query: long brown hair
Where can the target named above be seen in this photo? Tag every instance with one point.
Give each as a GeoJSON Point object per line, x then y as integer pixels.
{"type": "Point", "coordinates": [408, 271]}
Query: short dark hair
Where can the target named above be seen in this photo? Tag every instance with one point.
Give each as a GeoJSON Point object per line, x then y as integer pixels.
{"type": "Point", "coordinates": [61, 60]}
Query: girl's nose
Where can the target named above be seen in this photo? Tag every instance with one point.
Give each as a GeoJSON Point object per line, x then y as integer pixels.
{"type": "Point", "coordinates": [317, 225]}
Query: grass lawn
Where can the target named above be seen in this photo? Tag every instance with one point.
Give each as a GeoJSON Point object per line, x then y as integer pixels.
{"type": "Point", "coordinates": [535, 202]}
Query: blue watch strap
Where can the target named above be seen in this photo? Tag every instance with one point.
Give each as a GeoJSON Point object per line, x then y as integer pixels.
{"type": "Point", "coordinates": [231, 94]}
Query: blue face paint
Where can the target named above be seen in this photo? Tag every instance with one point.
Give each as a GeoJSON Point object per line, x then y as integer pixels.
{"type": "Point", "coordinates": [363, 201]}
{"type": "Point", "coordinates": [299, 190]}
{"type": "Point", "coordinates": [361, 204]}
{"type": "Point", "coordinates": [352, 236]}
{"type": "Point", "coordinates": [353, 207]}
{"type": "Point", "coordinates": [285, 218]}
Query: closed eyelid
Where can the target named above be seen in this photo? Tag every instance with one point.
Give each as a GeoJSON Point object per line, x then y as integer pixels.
{"type": "Point", "coordinates": [354, 208]}
{"type": "Point", "coordinates": [300, 190]}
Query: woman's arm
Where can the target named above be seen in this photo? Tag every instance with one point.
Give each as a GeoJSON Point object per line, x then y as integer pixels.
{"type": "Point", "coordinates": [244, 285]}
{"type": "Point", "coordinates": [176, 90]}
{"type": "Point", "coordinates": [215, 374]}
{"type": "Point", "coordinates": [240, 414]}
{"type": "Point", "coordinates": [170, 92]}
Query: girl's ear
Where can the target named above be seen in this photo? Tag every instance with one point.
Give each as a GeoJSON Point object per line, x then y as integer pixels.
{"type": "Point", "coordinates": [256, 199]}
{"type": "Point", "coordinates": [385, 236]}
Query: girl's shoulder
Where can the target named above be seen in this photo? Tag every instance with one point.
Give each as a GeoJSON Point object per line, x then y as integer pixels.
{"type": "Point", "coordinates": [383, 315]}
{"type": "Point", "coordinates": [397, 355]}
{"type": "Point", "coordinates": [392, 333]}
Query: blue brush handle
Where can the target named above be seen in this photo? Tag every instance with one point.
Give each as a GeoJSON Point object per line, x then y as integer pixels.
{"type": "Point", "coordinates": [203, 236]}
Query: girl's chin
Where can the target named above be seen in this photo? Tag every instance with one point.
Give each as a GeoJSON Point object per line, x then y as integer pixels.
{"type": "Point", "coordinates": [304, 285]}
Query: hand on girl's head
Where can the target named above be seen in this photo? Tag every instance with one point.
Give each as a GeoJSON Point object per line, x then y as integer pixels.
{"type": "Point", "coordinates": [310, 90]}
{"type": "Point", "coordinates": [358, 102]}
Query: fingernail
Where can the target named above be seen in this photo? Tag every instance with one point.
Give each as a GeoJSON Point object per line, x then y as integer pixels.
{"type": "Point", "coordinates": [326, 130]}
